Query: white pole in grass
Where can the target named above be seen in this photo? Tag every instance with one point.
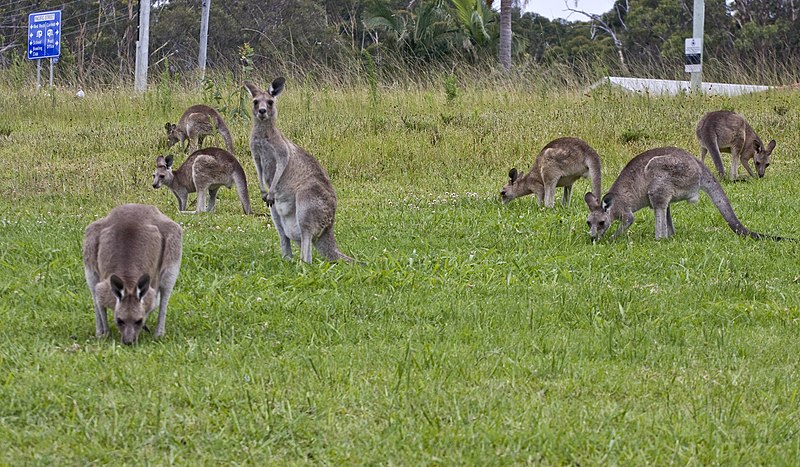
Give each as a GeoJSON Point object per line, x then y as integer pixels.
{"type": "Point", "coordinates": [201, 59]}
{"type": "Point", "coordinates": [142, 47]}
{"type": "Point", "coordinates": [697, 36]}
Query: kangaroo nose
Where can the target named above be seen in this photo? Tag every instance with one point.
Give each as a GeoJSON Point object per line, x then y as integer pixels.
{"type": "Point", "coordinates": [262, 111]}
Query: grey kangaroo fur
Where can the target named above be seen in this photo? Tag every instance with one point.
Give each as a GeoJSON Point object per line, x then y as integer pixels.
{"type": "Point", "coordinates": [560, 163]}
{"type": "Point", "coordinates": [197, 122]}
{"type": "Point", "coordinates": [727, 131]}
{"type": "Point", "coordinates": [131, 259]}
{"type": "Point", "coordinates": [657, 178]}
{"type": "Point", "coordinates": [204, 171]}
{"type": "Point", "coordinates": [294, 185]}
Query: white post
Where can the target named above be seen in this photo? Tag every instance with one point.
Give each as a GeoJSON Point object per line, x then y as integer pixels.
{"type": "Point", "coordinates": [697, 32]}
{"type": "Point", "coordinates": [201, 59]}
{"type": "Point", "coordinates": [38, 74]}
{"type": "Point", "coordinates": [142, 47]}
{"type": "Point", "coordinates": [51, 72]}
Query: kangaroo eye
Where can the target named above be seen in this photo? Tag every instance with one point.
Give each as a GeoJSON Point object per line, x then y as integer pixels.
{"type": "Point", "coordinates": [601, 223]}
{"type": "Point", "coordinates": [589, 223]}
{"type": "Point", "coordinates": [161, 176]}
{"type": "Point", "coordinates": [120, 322]}
{"type": "Point", "coordinates": [139, 322]}
{"type": "Point", "coordinates": [767, 165]}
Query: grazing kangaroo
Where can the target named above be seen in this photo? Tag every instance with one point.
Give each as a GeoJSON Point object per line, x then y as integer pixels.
{"type": "Point", "coordinates": [656, 178]}
{"type": "Point", "coordinates": [131, 259]}
{"type": "Point", "coordinates": [560, 163]}
{"type": "Point", "coordinates": [205, 171]}
{"type": "Point", "coordinates": [294, 185]}
{"type": "Point", "coordinates": [197, 122]}
{"type": "Point", "coordinates": [729, 132]}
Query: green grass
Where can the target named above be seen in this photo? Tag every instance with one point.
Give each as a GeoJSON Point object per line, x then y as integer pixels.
{"type": "Point", "coordinates": [474, 333]}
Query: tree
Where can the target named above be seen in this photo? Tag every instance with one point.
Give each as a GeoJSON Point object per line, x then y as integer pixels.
{"type": "Point", "coordinates": [599, 22]}
{"type": "Point", "coordinates": [505, 34]}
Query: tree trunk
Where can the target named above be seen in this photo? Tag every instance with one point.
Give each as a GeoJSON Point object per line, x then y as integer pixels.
{"type": "Point", "coordinates": [505, 34]}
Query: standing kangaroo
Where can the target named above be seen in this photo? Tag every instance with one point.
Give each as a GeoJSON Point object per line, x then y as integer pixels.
{"type": "Point", "coordinates": [197, 122]}
{"type": "Point", "coordinates": [727, 131]}
{"type": "Point", "coordinates": [294, 185]}
{"type": "Point", "coordinates": [560, 163]}
{"type": "Point", "coordinates": [205, 171]}
{"type": "Point", "coordinates": [131, 259]}
{"type": "Point", "coordinates": [656, 178]}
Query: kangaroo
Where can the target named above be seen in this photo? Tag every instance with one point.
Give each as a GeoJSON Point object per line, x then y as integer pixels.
{"type": "Point", "coordinates": [560, 163]}
{"type": "Point", "coordinates": [727, 131]}
{"type": "Point", "coordinates": [656, 178]}
{"type": "Point", "coordinates": [204, 171]}
{"type": "Point", "coordinates": [131, 259]}
{"type": "Point", "coordinates": [197, 122]}
{"type": "Point", "coordinates": [294, 185]}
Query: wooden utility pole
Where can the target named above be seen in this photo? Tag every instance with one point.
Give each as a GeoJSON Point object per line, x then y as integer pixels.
{"type": "Point", "coordinates": [201, 59]}
{"type": "Point", "coordinates": [142, 47]}
{"type": "Point", "coordinates": [697, 32]}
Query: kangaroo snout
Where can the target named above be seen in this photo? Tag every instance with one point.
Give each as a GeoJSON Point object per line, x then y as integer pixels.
{"type": "Point", "coordinates": [129, 338]}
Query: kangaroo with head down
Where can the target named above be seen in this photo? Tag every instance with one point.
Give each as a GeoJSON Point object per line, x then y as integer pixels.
{"type": "Point", "coordinates": [197, 122]}
{"type": "Point", "coordinates": [294, 185]}
{"type": "Point", "coordinates": [727, 131]}
{"type": "Point", "coordinates": [131, 259]}
{"type": "Point", "coordinates": [560, 163]}
{"type": "Point", "coordinates": [657, 178]}
{"type": "Point", "coordinates": [205, 171]}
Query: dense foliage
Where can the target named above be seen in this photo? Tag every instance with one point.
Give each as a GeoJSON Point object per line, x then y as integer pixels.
{"type": "Point", "coordinates": [302, 36]}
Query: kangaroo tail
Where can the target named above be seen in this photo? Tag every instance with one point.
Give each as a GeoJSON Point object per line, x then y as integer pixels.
{"type": "Point", "coordinates": [326, 244]}
{"type": "Point", "coordinates": [711, 186]}
{"type": "Point", "coordinates": [223, 130]}
{"type": "Point", "coordinates": [716, 157]}
{"type": "Point", "coordinates": [593, 163]}
{"type": "Point", "coordinates": [240, 181]}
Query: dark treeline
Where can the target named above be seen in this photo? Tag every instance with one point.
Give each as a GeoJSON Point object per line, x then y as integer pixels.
{"type": "Point", "coordinates": [759, 39]}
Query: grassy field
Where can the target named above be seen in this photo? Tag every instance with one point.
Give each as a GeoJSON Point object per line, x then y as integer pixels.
{"type": "Point", "coordinates": [474, 333]}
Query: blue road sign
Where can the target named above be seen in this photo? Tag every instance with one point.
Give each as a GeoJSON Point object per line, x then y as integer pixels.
{"type": "Point", "coordinates": [44, 35]}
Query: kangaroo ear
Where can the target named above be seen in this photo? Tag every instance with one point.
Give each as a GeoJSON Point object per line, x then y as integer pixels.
{"type": "Point", "coordinates": [277, 86]}
{"type": "Point", "coordinates": [591, 201]}
{"type": "Point", "coordinates": [168, 160]}
{"type": "Point", "coordinates": [117, 287]}
{"type": "Point", "coordinates": [608, 200]}
{"type": "Point", "coordinates": [770, 146]}
{"type": "Point", "coordinates": [142, 286]}
{"type": "Point", "coordinates": [512, 174]}
{"type": "Point", "coordinates": [254, 90]}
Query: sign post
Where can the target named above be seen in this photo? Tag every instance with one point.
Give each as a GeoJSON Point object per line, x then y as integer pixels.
{"type": "Point", "coordinates": [694, 55]}
{"type": "Point", "coordinates": [44, 39]}
{"type": "Point", "coordinates": [694, 46]}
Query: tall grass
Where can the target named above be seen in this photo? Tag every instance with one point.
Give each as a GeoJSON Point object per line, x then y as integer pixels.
{"type": "Point", "coordinates": [474, 333]}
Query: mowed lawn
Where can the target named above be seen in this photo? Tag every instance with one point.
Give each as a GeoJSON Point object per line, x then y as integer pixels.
{"type": "Point", "coordinates": [473, 333]}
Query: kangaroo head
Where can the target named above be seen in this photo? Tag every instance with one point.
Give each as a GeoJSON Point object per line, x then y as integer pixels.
{"type": "Point", "coordinates": [130, 311]}
{"type": "Point", "coordinates": [762, 156]}
{"type": "Point", "coordinates": [173, 135]}
{"type": "Point", "coordinates": [599, 218]}
{"type": "Point", "coordinates": [264, 101]}
{"type": "Point", "coordinates": [520, 186]}
{"type": "Point", "coordinates": [163, 174]}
